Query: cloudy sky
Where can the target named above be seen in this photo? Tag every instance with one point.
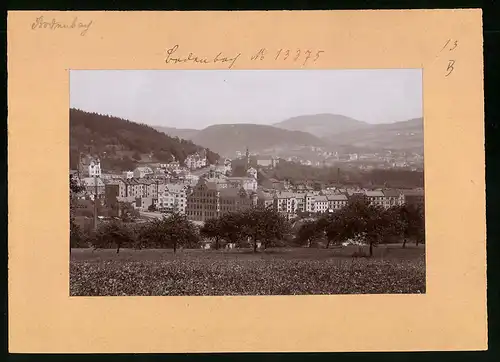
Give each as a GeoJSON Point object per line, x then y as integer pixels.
{"type": "Point", "coordinates": [199, 98]}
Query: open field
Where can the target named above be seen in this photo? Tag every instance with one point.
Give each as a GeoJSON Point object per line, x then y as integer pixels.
{"type": "Point", "coordinates": [279, 271]}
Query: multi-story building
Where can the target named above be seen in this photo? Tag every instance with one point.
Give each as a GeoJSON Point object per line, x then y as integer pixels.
{"type": "Point", "coordinates": [198, 160]}
{"type": "Point", "coordinates": [336, 201]}
{"type": "Point", "coordinates": [142, 172]}
{"type": "Point", "coordinates": [414, 197]}
{"type": "Point", "coordinates": [89, 166]}
{"type": "Point", "coordinates": [321, 204]}
{"type": "Point", "coordinates": [265, 199]}
{"type": "Point", "coordinates": [90, 186]}
{"type": "Point", "coordinates": [310, 204]}
{"type": "Point", "coordinates": [286, 203]}
{"type": "Point", "coordinates": [247, 183]}
{"type": "Point", "coordinates": [134, 187]}
{"type": "Point", "coordinates": [111, 194]}
{"type": "Point", "coordinates": [203, 202]}
{"type": "Point", "coordinates": [207, 201]}
{"type": "Point", "coordinates": [393, 198]}
{"type": "Point", "coordinates": [232, 199]}
{"type": "Point", "coordinates": [173, 198]}
{"type": "Point", "coordinates": [128, 174]}
{"type": "Point", "coordinates": [269, 161]}
{"type": "Point", "coordinates": [375, 198]}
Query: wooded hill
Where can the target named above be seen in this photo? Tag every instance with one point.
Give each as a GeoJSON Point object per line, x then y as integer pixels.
{"type": "Point", "coordinates": [122, 144]}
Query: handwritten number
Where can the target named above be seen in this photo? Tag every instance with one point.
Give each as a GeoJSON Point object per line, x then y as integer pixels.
{"type": "Point", "coordinates": [448, 42]}
{"type": "Point", "coordinates": [285, 54]}
{"type": "Point", "coordinates": [450, 68]}
{"type": "Point", "coordinates": [317, 54]}
{"type": "Point", "coordinates": [308, 52]}
{"type": "Point", "coordinates": [455, 44]}
{"type": "Point", "coordinates": [297, 56]}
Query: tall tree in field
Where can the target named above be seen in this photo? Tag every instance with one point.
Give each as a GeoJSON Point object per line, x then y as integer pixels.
{"type": "Point", "coordinates": [263, 225]}
{"type": "Point", "coordinates": [113, 233]}
{"type": "Point", "coordinates": [212, 229]}
{"type": "Point", "coordinates": [171, 231]}
{"type": "Point", "coordinates": [75, 232]}
{"type": "Point", "coordinates": [309, 232]}
{"type": "Point", "coordinates": [419, 225]}
{"type": "Point", "coordinates": [412, 222]}
{"type": "Point", "coordinates": [365, 221]}
{"type": "Point", "coordinates": [231, 227]}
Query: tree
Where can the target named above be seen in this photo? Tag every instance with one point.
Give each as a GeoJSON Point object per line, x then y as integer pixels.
{"type": "Point", "coordinates": [212, 229]}
{"type": "Point", "coordinates": [264, 225]}
{"type": "Point", "coordinates": [152, 208]}
{"type": "Point", "coordinates": [171, 231]}
{"type": "Point", "coordinates": [128, 212]}
{"type": "Point", "coordinates": [76, 236]}
{"type": "Point", "coordinates": [309, 232]}
{"type": "Point", "coordinates": [368, 222]}
{"type": "Point", "coordinates": [114, 232]}
{"type": "Point", "coordinates": [231, 227]}
{"type": "Point", "coordinates": [412, 224]}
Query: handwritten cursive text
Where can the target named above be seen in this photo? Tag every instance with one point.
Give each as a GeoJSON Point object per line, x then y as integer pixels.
{"type": "Point", "coordinates": [41, 23]}
{"type": "Point", "coordinates": [192, 58]}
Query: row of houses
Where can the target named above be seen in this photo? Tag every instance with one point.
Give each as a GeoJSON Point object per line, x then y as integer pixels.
{"type": "Point", "coordinates": [209, 199]}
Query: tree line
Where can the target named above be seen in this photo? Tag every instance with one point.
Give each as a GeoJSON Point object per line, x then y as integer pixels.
{"type": "Point", "coordinates": [107, 135]}
{"type": "Point", "coordinates": [393, 178]}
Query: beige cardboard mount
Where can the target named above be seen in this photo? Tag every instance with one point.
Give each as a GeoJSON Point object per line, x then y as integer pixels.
{"type": "Point", "coordinates": [44, 46]}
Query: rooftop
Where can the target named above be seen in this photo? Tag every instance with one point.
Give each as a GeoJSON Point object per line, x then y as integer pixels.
{"type": "Point", "coordinates": [337, 197]}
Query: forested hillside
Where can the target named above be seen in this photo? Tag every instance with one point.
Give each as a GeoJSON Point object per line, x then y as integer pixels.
{"type": "Point", "coordinates": [122, 144]}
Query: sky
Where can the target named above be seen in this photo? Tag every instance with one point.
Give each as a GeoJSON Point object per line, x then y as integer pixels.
{"type": "Point", "coordinates": [199, 98]}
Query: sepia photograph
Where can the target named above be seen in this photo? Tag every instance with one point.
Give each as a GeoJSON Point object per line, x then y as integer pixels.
{"type": "Point", "coordinates": [246, 182]}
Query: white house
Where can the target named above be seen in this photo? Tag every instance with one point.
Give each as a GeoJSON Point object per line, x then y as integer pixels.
{"type": "Point", "coordinates": [95, 168]}
{"type": "Point", "coordinates": [286, 202]}
{"type": "Point", "coordinates": [173, 198]}
{"type": "Point", "coordinates": [310, 203]}
{"type": "Point", "coordinates": [141, 172]}
{"type": "Point", "coordinates": [336, 201]}
{"type": "Point", "coordinates": [321, 204]}
{"type": "Point", "coordinates": [252, 172]}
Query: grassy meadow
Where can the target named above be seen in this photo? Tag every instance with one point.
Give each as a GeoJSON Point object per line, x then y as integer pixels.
{"type": "Point", "coordinates": [275, 271]}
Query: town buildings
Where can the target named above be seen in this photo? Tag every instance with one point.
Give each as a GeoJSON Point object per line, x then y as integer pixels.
{"type": "Point", "coordinates": [173, 198]}
{"type": "Point", "coordinates": [209, 191]}
{"type": "Point", "coordinates": [208, 200]}
{"type": "Point", "coordinates": [142, 172]}
{"type": "Point", "coordinates": [196, 161]}
{"type": "Point", "coordinates": [336, 201]}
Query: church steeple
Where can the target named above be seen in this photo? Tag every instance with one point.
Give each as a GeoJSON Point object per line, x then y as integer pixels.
{"type": "Point", "coordinates": [248, 159]}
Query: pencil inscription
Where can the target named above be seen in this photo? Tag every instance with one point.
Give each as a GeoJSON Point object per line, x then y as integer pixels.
{"type": "Point", "coordinates": [53, 24]}
{"type": "Point", "coordinates": [172, 58]}
{"type": "Point", "coordinates": [450, 45]}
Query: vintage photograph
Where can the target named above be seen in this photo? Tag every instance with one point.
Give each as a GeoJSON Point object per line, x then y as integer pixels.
{"type": "Point", "coordinates": [246, 182]}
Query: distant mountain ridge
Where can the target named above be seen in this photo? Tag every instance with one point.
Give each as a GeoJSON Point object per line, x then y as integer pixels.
{"type": "Point", "coordinates": [322, 125]}
{"type": "Point", "coordinates": [403, 135]}
{"type": "Point", "coordinates": [184, 133]}
{"type": "Point", "coordinates": [226, 139]}
{"type": "Point", "coordinates": [331, 131]}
